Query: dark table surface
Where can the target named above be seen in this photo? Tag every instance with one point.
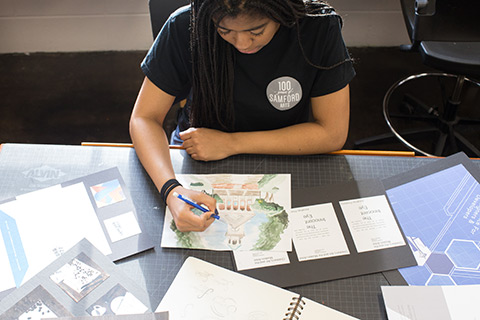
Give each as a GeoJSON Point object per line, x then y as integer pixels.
{"type": "Point", "coordinates": [26, 167]}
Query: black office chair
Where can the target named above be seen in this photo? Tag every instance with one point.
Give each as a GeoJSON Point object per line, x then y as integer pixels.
{"type": "Point", "coordinates": [160, 10]}
{"type": "Point", "coordinates": [440, 119]}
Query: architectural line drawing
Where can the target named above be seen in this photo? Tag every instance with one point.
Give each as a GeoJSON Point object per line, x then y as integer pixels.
{"type": "Point", "coordinates": [253, 213]}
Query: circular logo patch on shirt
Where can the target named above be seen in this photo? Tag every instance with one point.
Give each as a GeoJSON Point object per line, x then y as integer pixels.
{"type": "Point", "coordinates": [284, 93]}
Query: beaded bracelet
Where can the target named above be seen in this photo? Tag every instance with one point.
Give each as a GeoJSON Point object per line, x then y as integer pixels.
{"type": "Point", "coordinates": [167, 187]}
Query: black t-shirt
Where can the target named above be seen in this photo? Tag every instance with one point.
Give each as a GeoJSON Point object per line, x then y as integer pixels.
{"type": "Point", "coordinates": [273, 87]}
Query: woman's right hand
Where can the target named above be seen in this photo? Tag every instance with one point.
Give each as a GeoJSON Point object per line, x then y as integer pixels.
{"type": "Point", "coordinates": [184, 218]}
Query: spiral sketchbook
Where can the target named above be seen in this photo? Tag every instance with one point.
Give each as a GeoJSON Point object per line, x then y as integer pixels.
{"type": "Point", "coordinates": [202, 290]}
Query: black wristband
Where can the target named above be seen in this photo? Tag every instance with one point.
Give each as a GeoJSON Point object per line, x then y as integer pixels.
{"type": "Point", "coordinates": [167, 187]}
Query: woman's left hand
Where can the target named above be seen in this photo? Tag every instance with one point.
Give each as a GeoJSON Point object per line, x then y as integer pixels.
{"type": "Point", "coordinates": [207, 144]}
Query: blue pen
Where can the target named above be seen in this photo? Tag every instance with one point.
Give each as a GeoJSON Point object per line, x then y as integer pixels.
{"type": "Point", "coordinates": [196, 205]}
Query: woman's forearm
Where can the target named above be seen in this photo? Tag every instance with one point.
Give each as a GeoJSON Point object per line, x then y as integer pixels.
{"type": "Point", "coordinates": [305, 138]}
{"type": "Point", "coordinates": [151, 146]}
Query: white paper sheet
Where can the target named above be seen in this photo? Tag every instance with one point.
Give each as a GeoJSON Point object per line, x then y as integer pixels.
{"type": "Point", "coordinates": [371, 223]}
{"type": "Point", "coordinates": [122, 226]}
{"type": "Point", "coordinates": [317, 233]}
{"type": "Point", "coordinates": [246, 260]}
{"type": "Point", "coordinates": [431, 302]}
{"type": "Point", "coordinates": [51, 221]}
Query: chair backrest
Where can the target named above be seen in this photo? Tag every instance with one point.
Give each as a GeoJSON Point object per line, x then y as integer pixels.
{"type": "Point", "coordinates": [160, 10]}
{"type": "Point", "coordinates": [442, 20]}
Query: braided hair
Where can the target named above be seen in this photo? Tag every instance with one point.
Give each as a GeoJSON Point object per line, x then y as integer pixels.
{"type": "Point", "coordinates": [213, 58]}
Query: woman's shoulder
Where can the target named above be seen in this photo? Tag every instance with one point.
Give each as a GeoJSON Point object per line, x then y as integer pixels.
{"type": "Point", "coordinates": [177, 27]}
{"type": "Point", "coordinates": [321, 38]}
{"type": "Point", "coordinates": [316, 30]}
{"type": "Point", "coordinates": [181, 15]}
{"type": "Point", "coordinates": [320, 22]}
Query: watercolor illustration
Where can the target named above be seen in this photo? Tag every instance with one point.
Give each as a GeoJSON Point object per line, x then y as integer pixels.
{"type": "Point", "coordinates": [253, 213]}
{"type": "Point", "coordinates": [108, 193]}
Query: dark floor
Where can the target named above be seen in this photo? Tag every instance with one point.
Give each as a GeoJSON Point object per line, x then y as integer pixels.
{"type": "Point", "coordinates": [67, 98]}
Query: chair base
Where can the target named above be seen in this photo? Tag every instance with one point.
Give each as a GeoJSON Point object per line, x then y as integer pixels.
{"type": "Point", "coordinates": [437, 125]}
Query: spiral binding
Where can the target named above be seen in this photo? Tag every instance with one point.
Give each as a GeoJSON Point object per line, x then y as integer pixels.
{"type": "Point", "coordinates": [295, 309]}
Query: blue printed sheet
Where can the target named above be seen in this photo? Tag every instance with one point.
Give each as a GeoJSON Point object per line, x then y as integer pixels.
{"type": "Point", "coordinates": [439, 215]}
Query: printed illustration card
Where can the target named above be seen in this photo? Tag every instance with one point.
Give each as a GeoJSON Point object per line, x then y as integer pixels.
{"type": "Point", "coordinates": [438, 207]}
{"type": "Point", "coordinates": [39, 226]}
{"type": "Point", "coordinates": [79, 276]}
{"type": "Point", "coordinates": [37, 304]}
{"type": "Point", "coordinates": [317, 233]}
{"type": "Point", "coordinates": [81, 282]}
{"type": "Point", "coordinates": [345, 230]}
{"type": "Point", "coordinates": [254, 214]}
{"type": "Point", "coordinates": [372, 223]}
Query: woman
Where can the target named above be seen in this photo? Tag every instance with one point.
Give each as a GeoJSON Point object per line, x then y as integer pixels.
{"type": "Point", "coordinates": [259, 76]}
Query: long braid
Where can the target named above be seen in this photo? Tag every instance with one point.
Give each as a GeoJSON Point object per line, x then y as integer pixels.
{"type": "Point", "coordinates": [212, 72]}
{"type": "Point", "coordinates": [213, 58]}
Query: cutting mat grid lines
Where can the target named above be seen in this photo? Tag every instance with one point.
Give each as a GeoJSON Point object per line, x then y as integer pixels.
{"type": "Point", "coordinates": [26, 168]}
